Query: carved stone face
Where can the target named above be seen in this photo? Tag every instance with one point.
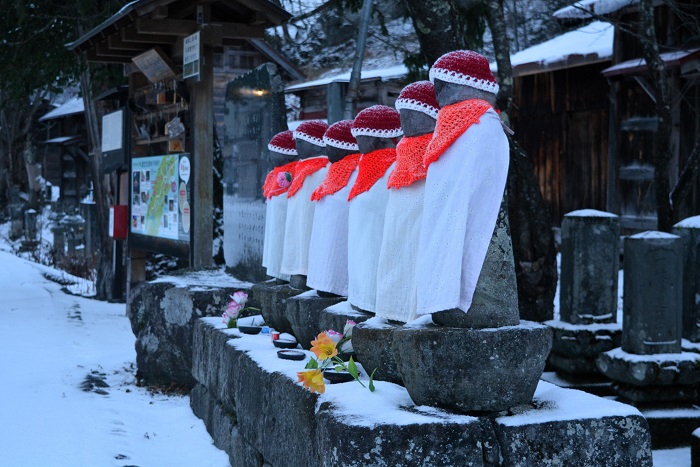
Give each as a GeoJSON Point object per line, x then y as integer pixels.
{"type": "Point", "coordinates": [277, 158]}
{"type": "Point", "coordinates": [306, 149]}
{"type": "Point", "coordinates": [335, 154]}
{"type": "Point", "coordinates": [368, 144]}
{"type": "Point", "coordinates": [415, 123]}
{"type": "Point", "coordinates": [451, 93]}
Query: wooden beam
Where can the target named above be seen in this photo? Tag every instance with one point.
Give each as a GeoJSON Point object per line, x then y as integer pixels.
{"type": "Point", "coordinates": [103, 50]}
{"type": "Point", "coordinates": [116, 43]}
{"type": "Point", "coordinates": [130, 35]}
{"type": "Point", "coordinates": [160, 13]}
{"type": "Point", "coordinates": [91, 56]}
{"type": "Point", "coordinates": [240, 31]}
{"type": "Point", "coordinates": [170, 27]}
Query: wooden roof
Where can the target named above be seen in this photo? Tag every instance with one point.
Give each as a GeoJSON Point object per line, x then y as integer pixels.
{"type": "Point", "coordinates": [144, 24]}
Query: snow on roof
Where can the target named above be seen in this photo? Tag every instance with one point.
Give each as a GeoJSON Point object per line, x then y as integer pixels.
{"type": "Point", "coordinates": [71, 107]}
{"type": "Point", "coordinates": [636, 65]}
{"type": "Point", "coordinates": [60, 139]}
{"type": "Point", "coordinates": [585, 8]}
{"type": "Point", "coordinates": [588, 44]}
{"type": "Point", "coordinates": [393, 72]}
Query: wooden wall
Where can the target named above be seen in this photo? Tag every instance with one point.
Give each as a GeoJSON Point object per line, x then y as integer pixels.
{"type": "Point", "coordinates": [561, 120]}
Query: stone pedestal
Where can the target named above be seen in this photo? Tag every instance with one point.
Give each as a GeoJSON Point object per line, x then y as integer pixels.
{"type": "Point", "coordinates": [472, 370]}
{"type": "Point", "coordinates": [575, 347]}
{"type": "Point", "coordinates": [335, 316]}
{"type": "Point", "coordinates": [650, 366]}
{"type": "Point", "coordinates": [372, 341]}
{"type": "Point", "coordinates": [304, 315]}
{"type": "Point", "coordinates": [689, 231]}
{"type": "Point", "coordinates": [273, 296]}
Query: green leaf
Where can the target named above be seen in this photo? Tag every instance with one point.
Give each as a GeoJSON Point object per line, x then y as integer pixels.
{"type": "Point", "coordinates": [339, 368]}
{"type": "Point", "coordinates": [312, 364]}
{"type": "Point", "coordinates": [352, 368]}
{"type": "Point", "coordinates": [371, 380]}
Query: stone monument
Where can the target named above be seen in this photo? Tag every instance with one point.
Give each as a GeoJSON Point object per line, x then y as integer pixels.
{"type": "Point", "coordinates": [590, 263]}
{"type": "Point", "coordinates": [479, 357]}
{"type": "Point", "coordinates": [689, 231]}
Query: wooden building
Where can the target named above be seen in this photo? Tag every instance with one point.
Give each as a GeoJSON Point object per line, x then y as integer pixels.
{"type": "Point", "coordinates": [633, 121]}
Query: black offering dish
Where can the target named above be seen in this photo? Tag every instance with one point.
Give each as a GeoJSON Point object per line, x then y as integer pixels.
{"type": "Point", "coordinates": [250, 329]}
{"type": "Point", "coordinates": [285, 344]}
{"type": "Point", "coordinates": [337, 376]}
{"type": "Point", "coordinates": [291, 355]}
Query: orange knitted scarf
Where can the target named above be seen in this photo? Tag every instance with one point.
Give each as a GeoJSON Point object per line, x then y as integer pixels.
{"type": "Point", "coordinates": [453, 120]}
{"type": "Point", "coordinates": [272, 187]}
{"type": "Point", "coordinates": [304, 169]}
{"type": "Point", "coordinates": [372, 167]}
{"type": "Point", "coordinates": [409, 161]}
{"type": "Point", "coordinates": [337, 177]}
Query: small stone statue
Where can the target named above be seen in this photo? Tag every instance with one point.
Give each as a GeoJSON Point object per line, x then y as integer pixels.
{"type": "Point", "coordinates": [464, 213]}
{"type": "Point", "coordinates": [309, 172]}
{"type": "Point", "coordinates": [396, 274]}
{"type": "Point", "coordinates": [328, 253]}
{"type": "Point", "coordinates": [283, 154]}
{"type": "Point", "coordinates": [376, 129]}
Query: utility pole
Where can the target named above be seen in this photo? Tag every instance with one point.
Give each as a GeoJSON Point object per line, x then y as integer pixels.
{"type": "Point", "coordinates": [354, 86]}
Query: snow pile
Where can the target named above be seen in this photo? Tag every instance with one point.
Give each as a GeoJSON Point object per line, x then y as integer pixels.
{"type": "Point", "coordinates": [587, 8]}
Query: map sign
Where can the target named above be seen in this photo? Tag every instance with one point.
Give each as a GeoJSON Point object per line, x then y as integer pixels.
{"type": "Point", "coordinates": [160, 197]}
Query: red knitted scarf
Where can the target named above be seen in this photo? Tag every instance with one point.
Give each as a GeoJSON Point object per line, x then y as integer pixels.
{"type": "Point", "coordinates": [304, 169]}
{"type": "Point", "coordinates": [272, 187]}
{"type": "Point", "coordinates": [372, 167]}
{"type": "Point", "coordinates": [337, 177]}
{"type": "Point", "coordinates": [453, 120]}
{"type": "Point", "coordinates": [409, 161]}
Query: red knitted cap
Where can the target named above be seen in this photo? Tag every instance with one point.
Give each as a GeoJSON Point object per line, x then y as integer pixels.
{"type": "Point", "coordinates": [339, 135]}
{"type": "Point", "coordinates": [419, 96]}
{"type": "Point", "coordinates": [312, 132]}
{"type": "Point", "coordinates": [465, 67]}
{"type": "Point", "coordinates": [283, 143]}
{"type": "Point", "coordinates": [379, 121]}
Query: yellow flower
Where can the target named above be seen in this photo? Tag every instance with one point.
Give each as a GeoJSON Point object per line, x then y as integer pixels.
{"type": "Point", "coordinates": [324, 347]}
{"type": "Point", "coordinates": [312, 380]}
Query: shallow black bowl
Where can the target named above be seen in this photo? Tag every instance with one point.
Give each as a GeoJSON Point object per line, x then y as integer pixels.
{"type": "Point", "coordinates": [291, 355]}
{"type": "Point", "coordinates": [337, 377]}
{"type": "Point", "coordinates": [284, 344]}
{"type": "Point", "coordinates": [250, 329]}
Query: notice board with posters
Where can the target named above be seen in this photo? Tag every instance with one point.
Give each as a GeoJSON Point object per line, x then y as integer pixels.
{"type": "Point", "coordinates": [160, 204]}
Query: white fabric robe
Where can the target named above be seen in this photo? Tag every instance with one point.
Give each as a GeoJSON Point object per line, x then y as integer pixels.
{"type": "Point", "coordinates": [328, 254]}
{"type": "Point", "coordinates": [297, 231]}
{"type": "Point", "coordinates": [463, 193]}
{"type": "Point", "coordinates": [396, 272]}
{"type": "Point", "coordinates": [365, 230]}
{"type": "Point", "coordinates": [275, 219]}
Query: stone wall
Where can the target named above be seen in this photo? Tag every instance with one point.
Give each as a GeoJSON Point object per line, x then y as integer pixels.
{"type": "Point", "coordinates": [257, 412]}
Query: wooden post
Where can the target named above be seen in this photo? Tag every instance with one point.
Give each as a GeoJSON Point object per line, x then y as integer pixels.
{"type": "Point", "coordinates": [203, 151]}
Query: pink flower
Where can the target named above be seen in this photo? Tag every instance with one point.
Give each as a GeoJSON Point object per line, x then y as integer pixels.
{"type": "Point", "coordinates": [284, 179]}
{"type": "Point", "coordinates": [233, 309]}
{"type": "Point", "coordinates": [334, 335]}
{"type": "Point", "coordinates": [240, 297]}
{"type": "Point", "coordinates": [347, 330]}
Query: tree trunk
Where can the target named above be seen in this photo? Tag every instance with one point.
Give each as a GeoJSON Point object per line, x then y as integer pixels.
{"type": "Point", "coordinates": [437, 25]}
{"type": "Point", "coordinates": [530, 224]}
{"type": "Point", "coordinates": [355, 74]}
{"type": "Point", "coordinates": [101, 193]}
{"type": "Point", "coordinates": [662, 136]}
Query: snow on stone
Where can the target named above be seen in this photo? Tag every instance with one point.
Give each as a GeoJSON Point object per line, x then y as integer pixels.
{"type": "Point", "coordinates": [394, 72]}
{"type": "Point", "coordinates": [567, 404]}
{"type": "Point", "coordinates": [689, 223]}
{"type": "Point", "coordinates": [590, 213]}
{"type": "Point", "coordinates": [583, 327]}
{"type": "Point", "coordinates": [377, 322]}
{"type": "Point", "coordinates": [344, 308]}
{"type": "Point", "coordinates": [73, 106]}
{"type": "Point", "coordinates": [205, 280]}
{"type": "Point", "coordinates": [593, 41]}
{"type": "Point", "coordinates": [584, 8]}
{"type": "Point", "coordinates": [653, 234]}
{"type": "Point", "coordinates": [308, 294]}
{"type": "Point", "coordinates": [620, 354]}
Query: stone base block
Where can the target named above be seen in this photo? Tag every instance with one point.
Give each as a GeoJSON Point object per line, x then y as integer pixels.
{"type": "Point", "coordinates": [162, 315]}
{"type": "Point", "coordinates": [656, 394]}
{"type": "Point", "coordinates": [284, 424]}
{"type": "Point", "coordinates": [679, 369]}
{"type": "Point", "coordinates": [304, 315]}
{"type": "Point", "coordinates": [273, 303]}
{"type": "Point", "coordinates": [334, 317]}
{"type": "Point", "coordinates": [695, 449]}
{"type": "Point", "coordinates": [671, 426]}
{"type": "Point", "coordinates": [596, 384]}
{"type": "Point", "coordinates": [372, 341]}
{"type": "Point", "coordinates": [584, 340]}
{"type": "Point", "coordinates": [572, 366]}
{"type": "Point", "coordinates": [472, 370]}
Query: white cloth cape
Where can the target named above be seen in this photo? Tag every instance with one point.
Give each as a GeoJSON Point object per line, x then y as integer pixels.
{"type": "Point", "coordinates": [300, 218]}
{"type": "Point", "coordinates": [396, 272]}
{"type": "Point", "coordinates": [463, 193]}
{"type": "Point", "coordinates": [328, 254]}
{"type": "Point", "coordinates": [275, 219]}
{"type": "Point", "coordinates": [365, 230]}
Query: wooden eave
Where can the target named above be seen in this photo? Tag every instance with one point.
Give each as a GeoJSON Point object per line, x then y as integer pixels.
{"type": "Point", "coordinates": [685, 59]}
{"type": "Point", "coordinates": [144, 24]}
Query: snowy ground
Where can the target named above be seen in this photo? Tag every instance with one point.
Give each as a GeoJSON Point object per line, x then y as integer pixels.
{"type": "Point", "coordinates": [50, 342]}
